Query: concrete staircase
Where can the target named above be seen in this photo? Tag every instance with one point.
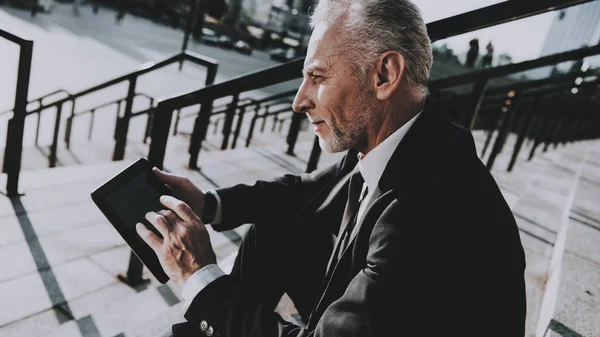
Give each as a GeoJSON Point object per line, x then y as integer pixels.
{"type": "Point", "coordinates": [554, 200]}
{"type": "Point", "coordinates": [60, 257]}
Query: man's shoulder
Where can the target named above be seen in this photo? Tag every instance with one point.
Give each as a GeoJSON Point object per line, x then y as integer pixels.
{"type": "Point", "coordinates": [438, 161]}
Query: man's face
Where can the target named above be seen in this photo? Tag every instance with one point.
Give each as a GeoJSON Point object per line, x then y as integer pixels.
{"type": "Point", "coordinates": [330, 95]}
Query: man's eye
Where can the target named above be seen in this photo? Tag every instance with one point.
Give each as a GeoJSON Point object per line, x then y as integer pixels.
{"type": "Point", "coordinates": [315, 77]}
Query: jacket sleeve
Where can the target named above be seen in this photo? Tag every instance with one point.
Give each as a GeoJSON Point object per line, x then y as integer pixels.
{"type": "Point", "coordinates": [374, 301]}
{"type": "Point", "coordinates": [269, 201]}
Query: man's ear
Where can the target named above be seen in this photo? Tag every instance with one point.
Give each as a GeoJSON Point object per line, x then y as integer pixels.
{"type": "Point", "coordinates": [389, 74]}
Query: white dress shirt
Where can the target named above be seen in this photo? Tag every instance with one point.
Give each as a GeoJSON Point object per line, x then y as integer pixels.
{"type": "Point", "coordinates": [371, 168]}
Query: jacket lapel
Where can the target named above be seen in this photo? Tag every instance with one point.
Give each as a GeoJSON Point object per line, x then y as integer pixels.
{"type": "Point", "coordinates": [401, 178]}
{"type": "Point", "coordinates": [324, 206]}
{"type": "Point", "coordinates": [401, 169]}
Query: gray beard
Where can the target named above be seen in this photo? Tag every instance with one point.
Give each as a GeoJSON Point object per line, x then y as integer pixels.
{"type": "Point", "coordinates": [350, 133]}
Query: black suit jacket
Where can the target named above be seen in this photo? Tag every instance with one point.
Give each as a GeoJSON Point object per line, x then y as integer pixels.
{"type": "Point", "coordinates": [437, 252]}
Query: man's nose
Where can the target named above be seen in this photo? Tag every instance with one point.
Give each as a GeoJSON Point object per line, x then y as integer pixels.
{"type": "Point", "coordinates": [303, 102]}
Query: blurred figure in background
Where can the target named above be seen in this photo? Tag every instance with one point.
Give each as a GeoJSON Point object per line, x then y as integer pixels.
{"type": "Point", "coordinates": [473, 53]}
{"type": "Point", "coordinates": [486, 60]}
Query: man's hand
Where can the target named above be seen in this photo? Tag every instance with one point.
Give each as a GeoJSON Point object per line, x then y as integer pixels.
{"type": "Point", "coordinates": [185, 246]}
{"type": "Point", "coordinates": [183, 189]}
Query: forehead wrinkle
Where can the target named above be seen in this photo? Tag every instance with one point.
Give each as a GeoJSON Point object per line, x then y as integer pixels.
{"type": "Point", "coordinates": [327, 65]}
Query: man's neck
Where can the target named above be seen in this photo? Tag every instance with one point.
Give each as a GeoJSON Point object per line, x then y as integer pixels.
{"type": "Point", "coordinates": [390, 123]}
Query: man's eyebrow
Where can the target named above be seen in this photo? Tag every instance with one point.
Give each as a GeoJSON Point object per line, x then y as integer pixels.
{"type": "Point", "coordinates": [314, 68]}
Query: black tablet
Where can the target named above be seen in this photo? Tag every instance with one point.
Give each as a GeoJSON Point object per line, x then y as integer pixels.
{"type": "Point", "coordinates": [125, 199]}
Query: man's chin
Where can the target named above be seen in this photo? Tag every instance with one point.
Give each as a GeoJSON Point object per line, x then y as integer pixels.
{"type": "Point", "coordinates": [329, 146]}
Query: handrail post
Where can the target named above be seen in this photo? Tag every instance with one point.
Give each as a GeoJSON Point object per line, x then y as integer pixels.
{"type": "Point", "coordinates": [475, 100]}
{"type": "Point", "coordinates": [54, 146]}
{"type": "Point", "coordinates": [238, 127]}
{"type": "Point", "coordinates": [292, 136]}
{"type": "Point", "coordinates": [188, 29]}
{"type": "Point", "coordinates": [68, 132]}
{"type": "Point", "coordinates": [37, 129]}
{"type": "Point", "coordinates": [531, 113]}
{"type": "Point", "coordinates": [488, 140]}
{"type": "Point", "coordinates": [264, 117]}
{"type": "Point", "coordinates": [149, 123]}
{"type": "Point", "coordinates": [159, 135]}
{"type": "Point", "coordinates": [119, 102]}
{"type": "Point", "coordinates": [252, 125]}
{"type": "Point", "coordinates": [514, 106]}
{"type": "Point", "coordinates": [176, 126]}
{"type": "Point", "coordinates": [211, 74]}
{"type": "Point", "coordinates": [123, 123]}
{"type": "Point", "coordinates": [229, 115]}
{"type": "Point", "coordinates": [135, 270]}
{"type": "Point", "coordinates": [199, 133]}
{"type": "Point", "coordinates": [92, 114]}
{"type": "Point", "coordinates": [573, 131]}
{"type": "Point", "coordinates": [552, 125]}
{"type": "Point", "coordinates": [315, 153]}
{"type": "Point", "coordinates": [14, 135]}
{"type": "Point", "coordinates": [539, 132]}
{"type": "Point", "coordinates": [216, 125]}
{"type": "Point", "coordinates": [275, 120]}
{"type": "Point", "coordinates": [555, 135]}
{"type": "Point", "coordinates": [506, 119]}
{"type": "Point", "coordinates": [70, 125]}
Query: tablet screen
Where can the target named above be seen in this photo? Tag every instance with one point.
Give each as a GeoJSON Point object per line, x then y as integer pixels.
{"type": "Point", "coordinates": [134, 199]}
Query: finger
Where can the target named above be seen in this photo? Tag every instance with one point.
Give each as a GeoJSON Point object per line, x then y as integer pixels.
{"type": "Point", "coordinates": [168, 178]}
{"type": "Point", "coordinates": [150, 238]}
{"type": "Point", "coordinates": [180, 208]}
{"type": "Point", "coordinates": [172, 218]}
{"type": "Point", "coordinates": [159, 222]}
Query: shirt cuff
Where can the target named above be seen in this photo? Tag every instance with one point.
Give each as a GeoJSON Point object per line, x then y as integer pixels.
{"type": "Point", "coordinates": [198, 281]}
{"type": "Point", "coordinates": [217, 218]}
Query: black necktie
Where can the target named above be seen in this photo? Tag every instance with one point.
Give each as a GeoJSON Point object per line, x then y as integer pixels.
{"type": "Point", "coordinates": [350, 212]}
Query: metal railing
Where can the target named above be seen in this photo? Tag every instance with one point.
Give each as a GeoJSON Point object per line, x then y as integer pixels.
{"type": "Point", "coordinates": [521, 99]}
{"type": "Point", "coordinates": [122, 124]}
{"type": "Point", "coordinates": [263, 105]}
{"type": "Point", "coordinates": [545, 117]}
{"type": "Point", "coordinates": [16, 125]}
{"type": "Point", "coordinates": [39, 100]}
{"type": "Point", "coordinates": [92, 112]}
{"type": "Point", "coordinates": [474, 102]}
{"type": "Point", "coordinates": [205, 97]}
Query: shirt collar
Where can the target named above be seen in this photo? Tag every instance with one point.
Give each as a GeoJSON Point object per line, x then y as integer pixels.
{"type": "Point", "coordinates": [373, 164]}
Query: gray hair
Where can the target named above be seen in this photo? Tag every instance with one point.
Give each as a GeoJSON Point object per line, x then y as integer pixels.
{"type": "Point", "coordinates": [373, 27]}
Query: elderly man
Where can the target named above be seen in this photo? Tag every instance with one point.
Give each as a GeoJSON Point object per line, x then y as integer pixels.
{"type": "Point", "coordinates": [408, 235]}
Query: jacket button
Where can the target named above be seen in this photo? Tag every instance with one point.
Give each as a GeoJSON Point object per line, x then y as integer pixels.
{"type": "Point", "coordinates": [203, 325]}
{"type": "Point", "coordinates": [210, 331]}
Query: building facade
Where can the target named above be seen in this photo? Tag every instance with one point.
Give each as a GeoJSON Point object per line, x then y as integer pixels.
{"type": "Point", "coordinates": [573, 28]}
